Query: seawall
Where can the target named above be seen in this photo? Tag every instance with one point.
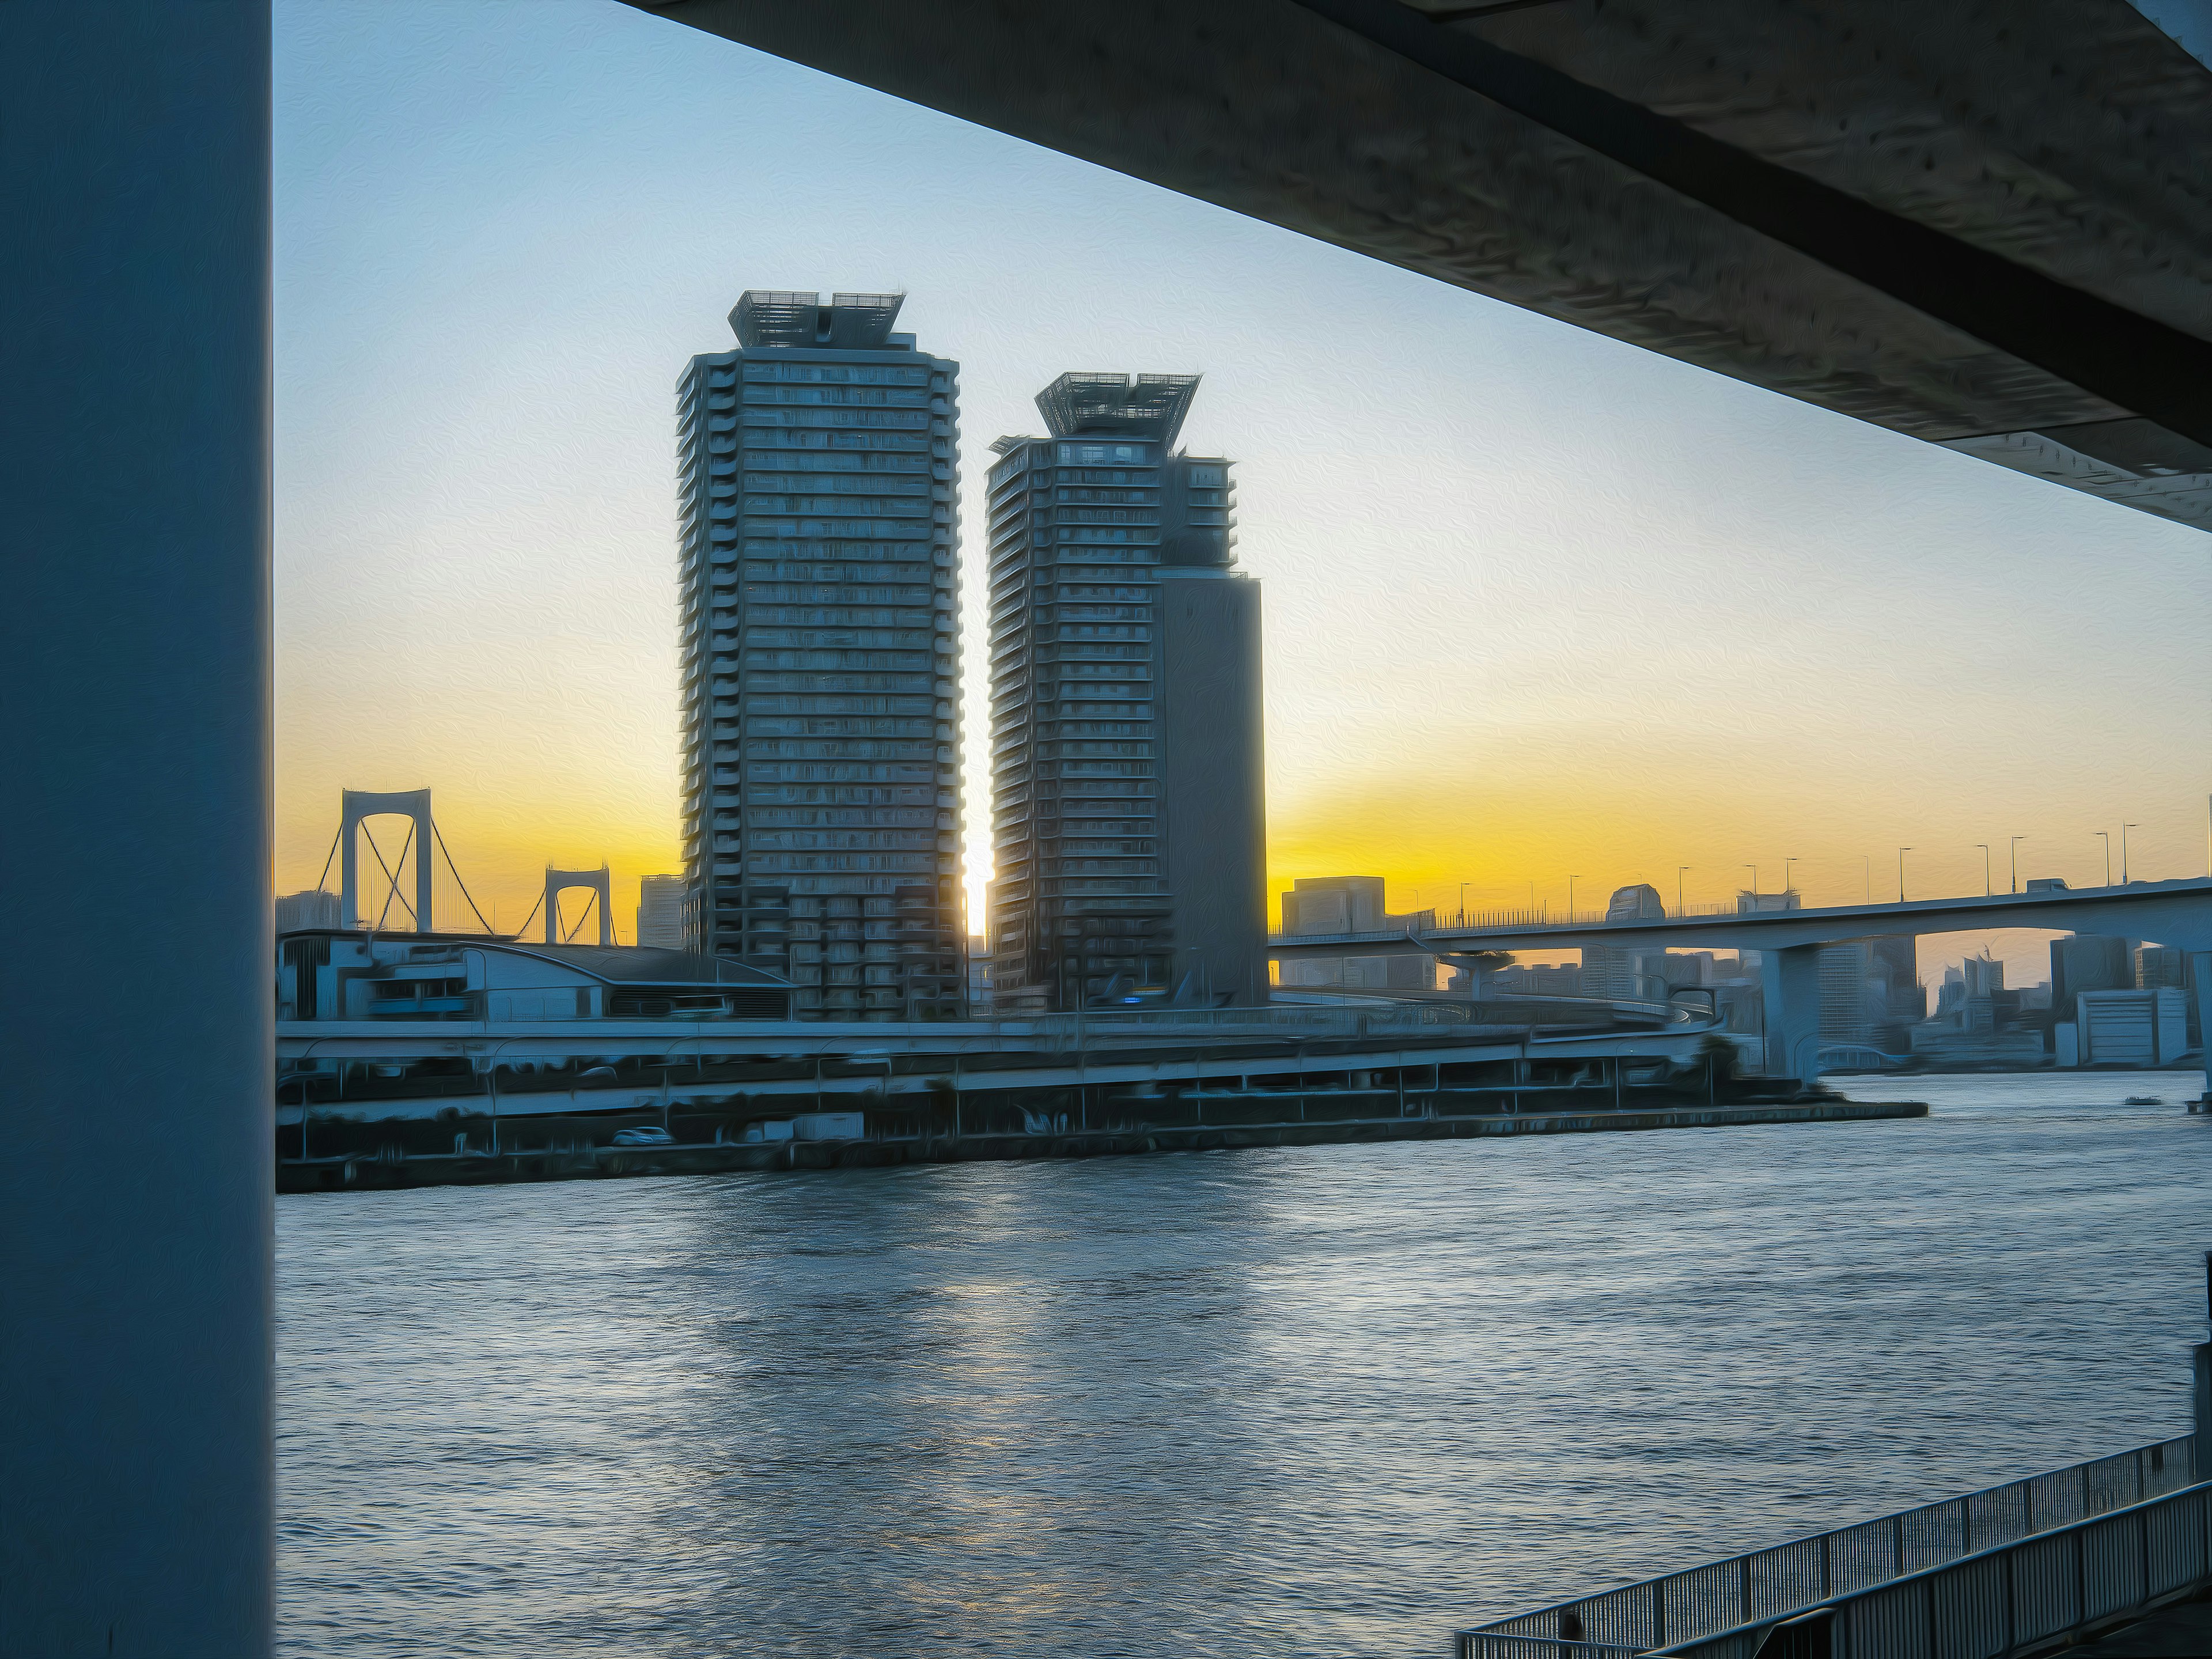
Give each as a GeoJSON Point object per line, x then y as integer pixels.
{"type": "Point", "coordinates": [371, 1172]}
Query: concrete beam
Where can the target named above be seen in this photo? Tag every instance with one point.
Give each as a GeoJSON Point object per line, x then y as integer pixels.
{"type": "Point", "coordinates": [1825, 202]}
{"type": "Point", "coordinates": [136, 1198]}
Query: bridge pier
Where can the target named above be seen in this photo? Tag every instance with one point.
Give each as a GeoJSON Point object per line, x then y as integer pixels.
{"type": "Point", "coordinates": [136, 1199]}
{"type": "Point", "coordinates": [2200, 963]}
{"type": "Point", "coordinates": [1789, 985]}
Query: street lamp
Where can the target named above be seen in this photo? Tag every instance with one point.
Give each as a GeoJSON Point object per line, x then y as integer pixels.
{"type": "Point", "coordinates": [1462, 904]}
{"type": "Point", "coordinates": [1755, 881]}
{"type": "Point", "coordinates": [1571, 880]}
{"type": "Point", "coordinates": [1984, 846]}
{"type": "Point", "coordinates": [1786, 863]}
{"type": "Point", "coordinates": [2105, 836]}
{"type": "Point", "coordinates": [1867, 858]}
{"type": "Point", "coordinates": [2123, 850]}
{"type": "Point", "coordinates": [1679, 869]}
{"type": "Point", "coordinates": [2016, 841]}
{"type": "Point", "coordinates": [1901, 851]}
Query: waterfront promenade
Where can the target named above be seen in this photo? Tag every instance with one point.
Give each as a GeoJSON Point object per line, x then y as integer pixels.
{"type": "Point", "coordinates": [1333, 1401]}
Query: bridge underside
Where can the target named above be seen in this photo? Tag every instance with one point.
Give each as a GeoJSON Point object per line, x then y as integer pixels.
{"type": "Point", "coordinates": [1985, 225]}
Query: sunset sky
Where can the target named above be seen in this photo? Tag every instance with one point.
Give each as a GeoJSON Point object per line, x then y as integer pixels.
{"type": "Point", "coordinates": [1538, 604]}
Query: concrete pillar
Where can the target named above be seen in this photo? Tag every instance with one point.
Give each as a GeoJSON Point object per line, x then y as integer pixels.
{"type": "Point", "coordinates": [1789, 984]}
{"type": "Point", "coordinates": [136, 1012]}
{"type": "Point", "coordinates": [2200, 967]}
{"type": "Point", "coordinates": [2201, 1393]}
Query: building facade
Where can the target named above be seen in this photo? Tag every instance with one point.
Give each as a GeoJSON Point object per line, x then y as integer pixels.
{"type": "Point", "coordinates": [312, 908]}
{"type": "Point", "coordinates": [661, 912]}
{"type": "Point", "coordinates": [1870, 992]}
{"type": "Point", "coordinates": [1129, 828]}
{"type": "Point", "coordinates": [818, 509]}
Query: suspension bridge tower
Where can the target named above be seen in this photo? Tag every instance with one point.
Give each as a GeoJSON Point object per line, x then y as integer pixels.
{"type": "Point", "coordinates": [359, 804]}
{"type": "Point", "coordinates": [596, 882]}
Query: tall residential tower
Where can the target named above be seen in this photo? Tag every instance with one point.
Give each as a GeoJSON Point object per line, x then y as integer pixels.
{"type": "Point", "coordinates": [1126, 744]}
{"type": "Point", "coordinates": [820, 632]}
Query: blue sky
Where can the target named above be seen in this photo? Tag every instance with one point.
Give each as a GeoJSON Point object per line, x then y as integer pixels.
{"type": "Point", "coordinates": [1537, 604]}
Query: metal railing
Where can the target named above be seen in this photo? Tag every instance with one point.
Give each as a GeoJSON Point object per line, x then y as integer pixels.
{"type": "Point", "coordinates": [2024, 1595]}
{"type": "Point", "coordinates": [1757, 1588]}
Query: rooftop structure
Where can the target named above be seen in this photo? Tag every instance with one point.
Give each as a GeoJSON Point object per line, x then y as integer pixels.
{"type": "Point", "coordinates": [1150, 406]}
{"type": "Point", "coordinates": [850, 322]}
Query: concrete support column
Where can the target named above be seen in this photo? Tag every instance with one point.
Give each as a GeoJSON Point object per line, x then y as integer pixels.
{"type": "Point", "coordinates": [1789, 985]}
{"type": "Point", "coordinates": [136, 1015]}
{"type": "Point", "coordinates": [2200, 967]}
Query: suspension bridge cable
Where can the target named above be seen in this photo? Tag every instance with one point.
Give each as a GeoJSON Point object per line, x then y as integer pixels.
{"type": "Point", "coordinates": [334, 839]}
{"type": "Point", "coordinates": [394, 894]}
{"type": "Point", "coordinates": [379, 851]}
{"type": "Point", "coordinates": [455, 868]}
{"type": "Point", "coordinates": [531, 917]}
{"type": "Point", "coordinates": [583, 917]}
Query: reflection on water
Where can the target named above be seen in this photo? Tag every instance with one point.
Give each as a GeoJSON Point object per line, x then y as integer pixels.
{"type": "Point", "coordinates": [1337, 1399]}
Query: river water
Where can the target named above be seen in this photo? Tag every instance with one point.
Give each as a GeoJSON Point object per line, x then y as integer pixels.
{"type": "Point", "coordinates": [1328, 1400]}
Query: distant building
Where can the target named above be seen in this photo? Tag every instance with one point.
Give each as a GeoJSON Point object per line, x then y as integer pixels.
{"type": "Point", "coordinates": [1334, 904]}
{"type": "Point", "coordinates": [820, 638]}
{"type": "Point", "coordinates": [1641, 902]}
{"type": "Point", "coordinates": [2124, 1028]}
{"type": "Point", "coordinates": [1870, 992]}
{"type": "Point", "coordinates": [2168, 967]}
{"type": "Point", "coordinates": [1354, 904]}
{"type": "Point", "coordinates": [1844, 993]}
{"type": "Point", "coordinates": [333, 974]}
{"type": "Point", "coordinates": [1748, 903]}
{"type": "Point", "coordinates": [313, 908]}
{"type": "Point", "coordinates": [2158, 965]}
{"type": "Point", "coordinates": [1977, 1024]}
{"type": "Point", "coordinates": [1129, 832]}
{"type": "Point", "coordinates": [1624, 975]}
{"type": "Point", "coordinates": [1536, 979]}
{"type": "Point", "coordinates": [1894, 959]}
{"type": "Point", "coordinates": [661, 913]}
{"type": "Point", "coordinates": [2089, 961]}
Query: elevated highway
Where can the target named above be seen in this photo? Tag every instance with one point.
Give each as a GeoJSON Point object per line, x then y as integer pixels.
{"type": "Point", "coordinates": [814, 1057]}
{"type": "Point", "coordinates": [2176, 913]}
{"type": "Point", "coordinates": [1987, 225]}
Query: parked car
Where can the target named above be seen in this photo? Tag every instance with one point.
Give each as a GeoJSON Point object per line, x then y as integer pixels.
{"type": "Point", "coordinates": [644, 1135]}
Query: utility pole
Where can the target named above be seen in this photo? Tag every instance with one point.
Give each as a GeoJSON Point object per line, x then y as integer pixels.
{"type": "Point", "coordinates": [2016, 841]}
{"type": "Point", "coordinates": [1984, 846]}
{"type": "Point", "coordinates": [2105, 836]}
{"type": "Point", "coordinates": [1901, 851]}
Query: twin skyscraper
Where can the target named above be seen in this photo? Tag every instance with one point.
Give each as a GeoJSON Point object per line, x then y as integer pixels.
{"type": "Point", "coordinates": [819, 543]}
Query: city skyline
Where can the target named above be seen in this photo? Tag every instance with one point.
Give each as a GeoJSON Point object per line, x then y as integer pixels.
{"type": "Point", "coordinates": [1538, 604]}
